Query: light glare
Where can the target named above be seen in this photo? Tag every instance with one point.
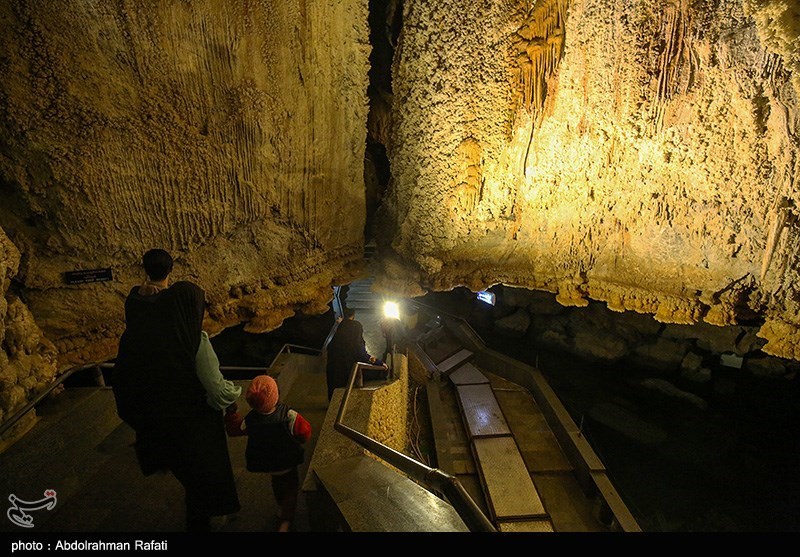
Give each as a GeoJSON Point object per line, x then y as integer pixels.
{"type": "Point", "coordinates": [391, 310]}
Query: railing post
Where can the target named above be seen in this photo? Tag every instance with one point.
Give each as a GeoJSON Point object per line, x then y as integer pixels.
{"type": "Point", "coordinates": [99, 380]}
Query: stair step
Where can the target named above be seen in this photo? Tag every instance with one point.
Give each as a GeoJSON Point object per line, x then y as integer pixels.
{"type": "Point", "coordinates": [361, 305]}
{"type": "Point", "coordinates": [509, 488]}
{"type": "Point", "coordinates": [367, 281]}
{"type": "Point", "coordinates": [541, 525]}
{"type": "Point", "coordinates": [481, 411]}
{"type": "Point", "coordinates": [360, 296]}
{"type": "Point", "coordinates": [468, 374]}
{"type": "Point", "coordinates": [455, 360]}
{"type": "Point", "coordinates": [64, 448]}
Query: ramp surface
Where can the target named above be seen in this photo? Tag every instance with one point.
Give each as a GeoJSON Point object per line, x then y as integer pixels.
{"type": "Point", "coordinates": [454, 361]}
{"type": "Point", "coordinates": [468, 374]}
{"type": "Point", "coordinates": [509, 486]}
{"type": "Point", "coordinates": [481, 412]}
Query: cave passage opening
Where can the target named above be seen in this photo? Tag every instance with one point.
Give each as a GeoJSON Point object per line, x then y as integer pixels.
{"type": "Point", "coordinates": [385, 23]}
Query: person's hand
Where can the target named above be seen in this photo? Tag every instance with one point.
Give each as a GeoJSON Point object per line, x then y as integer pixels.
{"type": "Point", "coordinates": [372, 359]}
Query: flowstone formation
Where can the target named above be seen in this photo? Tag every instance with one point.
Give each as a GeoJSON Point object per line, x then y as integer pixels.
{"type": "Point", "coordinates": [27, 359]}
{"type": "Point", "coordinates": [643, 154]}
{"type": "Point", "coordinates": [229, 133]}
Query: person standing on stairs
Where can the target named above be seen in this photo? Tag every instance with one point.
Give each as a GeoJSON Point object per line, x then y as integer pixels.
{"type": "Point", "coordinates": [158, 393]}
{"type": "Point", "coordinates": [391, 328]}
{"type": "Point", "coordinates": [345, 349]}
{"type": "Point", "coordinates": [276, 435]}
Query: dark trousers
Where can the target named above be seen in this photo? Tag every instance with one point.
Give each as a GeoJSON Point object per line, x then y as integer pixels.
{"type": "Point", "coordinates": [286, 487]}
{"type": "Point", "coordinates": [198, 519]}
{"type": "Point", "coordinates": [388, 349]}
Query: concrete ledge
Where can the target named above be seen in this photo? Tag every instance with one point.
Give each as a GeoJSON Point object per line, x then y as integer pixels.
{"type": "Point", "coordinates": [381, 413]}
{"type": "Point", "coordinates": [374, 498]}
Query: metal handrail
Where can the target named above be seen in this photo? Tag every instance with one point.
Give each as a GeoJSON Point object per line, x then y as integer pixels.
{"type": "Point", "coordinates": [330, 336]}
{"type": "Point", "coordinates": [287, 347]}
{"type": "Point", "coordinates": [338, 312]}
{"type": "Point", "coordinates": [482, 346]}
{"type": "Point", "coordinates": [110, 365]}
{"type": "Point", "coordinates": [433, 478]}
{"type": "Point", "coordinates": [6, 425]}
{"type": "Point", "coordinates": [463, 322]}
{"type": "Point", "coordinates": [338, 307]}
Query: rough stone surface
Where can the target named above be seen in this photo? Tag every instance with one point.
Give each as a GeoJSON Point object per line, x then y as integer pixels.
{"type": "Point", "coordinates": [230, 133]}
{"type": "Point", "coordinates": [670, 390]}
{"type": "Point", "coordinates": [388, 417]}
{"type": "Point", "coordinates": [27, 358]}
{"type": "Point", "coordinates": [700, 376]}
{"type": "Point", "coordinates": [599, 334]}
{"type": "Point", "coordinates": [514, 325]}
{"type": "Point", "coordinates": [749, 342]}
{"type": "Point", "coordinates": [663, 353]}
{"type": "Point", "coordinates": [691, 362]}
{"type": "Point", "coordinates": [544, 303]}
{"type": "Point", "coordinates": [658, 175]}
{"type": "Point", "coordinates": [765, 366]}
{"type": "Point", "coordinates": [600, 345]}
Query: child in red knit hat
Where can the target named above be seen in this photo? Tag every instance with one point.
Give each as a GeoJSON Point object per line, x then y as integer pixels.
{"type": "Point", "coordinates": [275, 438]}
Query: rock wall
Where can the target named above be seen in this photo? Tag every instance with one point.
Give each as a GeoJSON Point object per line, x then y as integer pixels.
{"type": "Point", "coordinates": [229, 133]}
{"type": "Point", "coordinates": [27, 358]}
{"type": "Point", "coordinates": [600, 335]}
{"type": "Point", "coordinates": [642, 154]}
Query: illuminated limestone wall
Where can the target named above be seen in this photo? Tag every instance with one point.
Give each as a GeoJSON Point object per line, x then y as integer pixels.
{"type": "Point", "coordinates": [27, 359]}
{"type": "Point", "coordinates": [230, 133]}
{"type": "Point", "coordinates": [389, 417]}
{"type": "Point", "coordinates": [642, 154]}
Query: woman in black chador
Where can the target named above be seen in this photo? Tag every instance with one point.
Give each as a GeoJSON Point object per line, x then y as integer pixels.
{"type": "Point", "coordinates": [159, 395]}
{"type": "Point", "coordinates": [345, 349]}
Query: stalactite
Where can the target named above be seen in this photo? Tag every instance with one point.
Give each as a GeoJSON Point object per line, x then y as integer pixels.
{"type": "Point", "coordinates": [778, 218]}
{"type": "Point", "coordinates": [540, 45]}
{"type": "Point", "coordinates": [676, 50]}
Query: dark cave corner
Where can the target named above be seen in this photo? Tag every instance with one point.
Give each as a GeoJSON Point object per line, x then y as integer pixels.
{"type": "Point", "coordinates": [385, 22]}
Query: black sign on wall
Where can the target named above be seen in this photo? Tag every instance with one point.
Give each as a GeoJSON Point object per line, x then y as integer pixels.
{"type": "Point", "coordinates": [89, 275]}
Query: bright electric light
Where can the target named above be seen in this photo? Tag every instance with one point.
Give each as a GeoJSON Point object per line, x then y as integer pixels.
{"type": "Point", "coordinates": [391, 310]}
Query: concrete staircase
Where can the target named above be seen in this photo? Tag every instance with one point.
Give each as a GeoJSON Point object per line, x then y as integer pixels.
{"type": "Point", "coordinates": [81, 450]}
{"type": "Point", "coordinates": [359, 296]}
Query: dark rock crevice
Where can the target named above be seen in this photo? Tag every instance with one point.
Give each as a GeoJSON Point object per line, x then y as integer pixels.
{"type": "Point", "coordinates": [385, 22]}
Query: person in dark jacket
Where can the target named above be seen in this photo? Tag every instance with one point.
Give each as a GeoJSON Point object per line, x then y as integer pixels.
{"type": "Point", "coordinates": [345, 349]}
{"type": "Point", "coordinates": [275, 438]}
{"type": "Point", "coordinates": [159, 394]}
